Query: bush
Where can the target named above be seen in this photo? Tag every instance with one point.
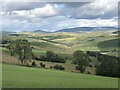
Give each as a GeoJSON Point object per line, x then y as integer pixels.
{"type": "Point", "coordinates": [58, 67]}
{"type": "Point", "coordinates": [42, 65]}
{"type": "Point", "coordinates": [89, 72]}
{"type": "Point", "coordinates": [51, 67]}
{"type": "Point", "coordinates": [61, 67]}
{"type": "Point", "coordinates": [34, 64]}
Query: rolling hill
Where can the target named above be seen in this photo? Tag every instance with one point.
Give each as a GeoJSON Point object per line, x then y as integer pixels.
{"type": "Point", "coordinates": [109, 44]}
{"type": "Point", "coordinates": [67, 42]}
{"type": "Point", "coordinates": [64, 44]}
{"type": "Point", "coordinates": [40, 31]}
{"type": "Point", "coordinates": [86, 29]}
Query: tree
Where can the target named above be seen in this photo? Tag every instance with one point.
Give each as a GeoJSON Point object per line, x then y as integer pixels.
{"type": "Point", "coordinates": [11, 48]}
{"type": "Point", "coordinates": [22, 48]}
{"type": "Point", "coordinates": [81, 60]}
{"type": "Point", "coordinates": [50, 55]}
{"type": "Point", "coordinates": [108, 67]}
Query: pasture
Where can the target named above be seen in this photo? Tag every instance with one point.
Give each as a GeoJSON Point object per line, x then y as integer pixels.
{"type": "Point", "coordinates": [63, 44]}
{"type": "Point", "coordinates": [23, 77]}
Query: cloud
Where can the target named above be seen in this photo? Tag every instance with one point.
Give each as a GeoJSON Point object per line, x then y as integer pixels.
{"type": "Point", "coordinates": [33, 15]}
{"type": "Point", "coordinates": [48, 10]}
{"type": "Point", "coordinates": [56, 23]}
{"type": "Point", "coordinates": [16, 6]}
{"type": "Point", "coordinates": [94, 9]}
{"type": "Point", "coordinates": [88, 10]}
{"type": "Point", "coordinates": [54, 16]}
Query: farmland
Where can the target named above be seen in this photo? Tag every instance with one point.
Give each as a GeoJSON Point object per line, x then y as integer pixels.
{"type": "Point", "coordinates": [67, 42]}
{"type": "Point", "coordinates": [23, 77]}
{"type": "Point", "coordinates": [54, 44]}
{"type": "Point", "coordinates": [63, 44]}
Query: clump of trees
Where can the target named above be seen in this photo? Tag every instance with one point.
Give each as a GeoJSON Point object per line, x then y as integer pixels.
{"type": "Point", "coordinates": [81, 60]}
{"type": "Point", "coordinates": [22, 48]}
{"type": "Point", "coordinates": [51, 57]}
{"type": "Point", "coordinates": [108, 67]}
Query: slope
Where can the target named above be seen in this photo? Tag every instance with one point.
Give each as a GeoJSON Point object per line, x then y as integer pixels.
{"type": "Point", "coordinates": [23, 77]}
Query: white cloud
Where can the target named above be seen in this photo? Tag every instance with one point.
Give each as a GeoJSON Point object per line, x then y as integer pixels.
{"type": "Point", "coordinates": [88, 23]}
{"type": "Point", "coordinates": [34, 15]}
{"type": "Point", "coordinates": [94, 9]}
{"type": "Point", "coordinates": [48, 10]}
{"type": "Point", "coordinates": [54, 16]}
{"type": "Point", "coordinates": [56, 23]}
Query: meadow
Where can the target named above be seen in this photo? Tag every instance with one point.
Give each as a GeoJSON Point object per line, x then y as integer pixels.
{"type": "Point", "coordinates": [23, 77]}
{"type": "Point", "coordinates": [63, 44]}
{"type": "Point", "coordinates": [67, 42]}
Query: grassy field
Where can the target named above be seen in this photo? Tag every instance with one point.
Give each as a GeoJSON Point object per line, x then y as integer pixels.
{"type": "Point", "coordinates": [23, 77]}
{"type": "Point", "coordinates": [109, 44]}
{"type": "Point", "coordinates": [66, 42]}
{"type": "Point", "coordinates": [63, 44]}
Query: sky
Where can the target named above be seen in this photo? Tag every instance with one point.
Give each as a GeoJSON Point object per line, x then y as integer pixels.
{"type": "Point", "coordinates": [52, 16]}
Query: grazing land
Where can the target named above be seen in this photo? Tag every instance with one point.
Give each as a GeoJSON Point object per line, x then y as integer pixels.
{"type": "Point", "coordinates": [23, 77]}
{"type": "Point", "coordinates": [63, 44]}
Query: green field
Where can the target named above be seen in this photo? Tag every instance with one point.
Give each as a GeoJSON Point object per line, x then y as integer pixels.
{"type": "Point", "coordinates": [66, 42]}
{"type": "Point", "coordinates": [24, 77]}
{"type": "Point", "coordinates": [63, 44]}
{"type": "Point", "coordinates": [109, 44]}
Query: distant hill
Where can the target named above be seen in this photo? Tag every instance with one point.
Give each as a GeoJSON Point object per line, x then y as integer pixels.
{"type": "Point", "coordinates": [40, 31]}
{"type": "Point", "coordinates": [85, 29]}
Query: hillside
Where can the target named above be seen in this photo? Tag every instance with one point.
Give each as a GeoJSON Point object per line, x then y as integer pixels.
{"type": "Point", "coordinates": [66, 42]}
{"type": "Point", "coordinates": [40, 31]}
{"type": "Point", "coordinates": [14, 61]}
{"type": "Point", "coordinates": [109, 44]}
{"type": "Point", "coordinates": [85, 29]}
{"type": "Point", "coordinates": [21, 77]}
{"type": "Point", "coordinates": [63, 44]}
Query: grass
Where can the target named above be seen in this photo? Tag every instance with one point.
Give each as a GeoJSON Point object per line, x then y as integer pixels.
{"type": "Point", "coordinates": [23, 77]}
{"type": "Point", "coordinates": [64, 44]}
{"type": "Point", "coordinates": [63, 55]}
{"type": "Point", "coordinates": [46, 46]}
{"type": "Point", "coordinates": [109, 44]}
{"type": "Point", "coordinates": [69, 42]}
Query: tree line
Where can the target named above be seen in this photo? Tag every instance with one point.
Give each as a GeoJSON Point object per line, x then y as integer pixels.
{"type": "Point", "coordinates": [50, 57]}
